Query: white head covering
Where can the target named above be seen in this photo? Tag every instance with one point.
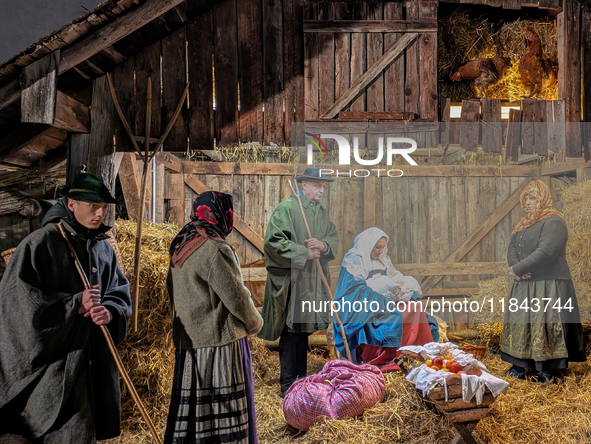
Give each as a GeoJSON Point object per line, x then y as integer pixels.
{"type": "Point", "coordinates": [358, 260]}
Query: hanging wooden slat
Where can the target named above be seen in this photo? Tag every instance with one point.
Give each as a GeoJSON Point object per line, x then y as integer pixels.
{"type": "Point", "coordinates": [273, 71]}
{"type": "Point", "coordinates": [492, 128]}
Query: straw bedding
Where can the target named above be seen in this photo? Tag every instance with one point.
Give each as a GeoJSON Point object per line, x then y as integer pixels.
{"type": "Point", "coordinates": [528, 413]}
{"type": "Point", "coordinates": [462, 39]}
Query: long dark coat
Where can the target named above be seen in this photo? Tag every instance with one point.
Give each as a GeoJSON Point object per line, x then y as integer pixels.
{"type": "Point", "coordinates": [58, 381]}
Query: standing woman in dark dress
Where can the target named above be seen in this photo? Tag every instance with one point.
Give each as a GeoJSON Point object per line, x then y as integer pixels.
{"type": "Point", "coordinates": [539, 338]}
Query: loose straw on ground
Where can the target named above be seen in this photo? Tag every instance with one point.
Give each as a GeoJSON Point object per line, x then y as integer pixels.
{"type": "Point", "coordinates": [111, 345]}
{"type": "Point", "coordinates": [295, 190]}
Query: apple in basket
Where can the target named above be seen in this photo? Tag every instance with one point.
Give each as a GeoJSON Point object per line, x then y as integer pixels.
{"type": "Point", "coordinates": [438, 361]}
{"type": "Point", "coordinates": [455, 367]}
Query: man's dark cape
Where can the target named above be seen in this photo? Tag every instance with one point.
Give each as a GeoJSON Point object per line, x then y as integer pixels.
{"type": "Point", "coordinates": [56, 372]}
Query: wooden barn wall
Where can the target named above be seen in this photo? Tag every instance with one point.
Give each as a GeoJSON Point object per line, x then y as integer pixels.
{"type": "Point", "coordinates": [241, 57]}
{"type": "Point", "coordinates": [425, 217]}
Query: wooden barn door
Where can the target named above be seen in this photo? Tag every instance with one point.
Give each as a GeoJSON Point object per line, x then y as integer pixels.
{"type": "Point", "coordinates": [374, 61]}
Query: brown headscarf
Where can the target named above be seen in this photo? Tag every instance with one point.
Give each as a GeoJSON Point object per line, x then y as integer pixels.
{"type": "Point", "coordinates": [544, 208]}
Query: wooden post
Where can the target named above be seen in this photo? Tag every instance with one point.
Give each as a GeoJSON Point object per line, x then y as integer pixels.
{"type": "Point", "coordinates": [492, 128]}
{"type": "Point", "coordinates": [513, 135]}
{"type": "Point", "coordinates": [38, 97]}
{"type": "Point", "coordinates": [470, 125]}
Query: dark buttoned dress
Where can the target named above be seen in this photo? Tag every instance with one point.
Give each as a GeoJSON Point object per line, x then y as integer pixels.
{"type": "Point", "coordinates": [542, 328]}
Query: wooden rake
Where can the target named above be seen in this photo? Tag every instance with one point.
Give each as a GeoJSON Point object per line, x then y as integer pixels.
{"type": "Point", "coordinates": [146, 157]}
{"type": "Point", "coordinates": [296, 191]}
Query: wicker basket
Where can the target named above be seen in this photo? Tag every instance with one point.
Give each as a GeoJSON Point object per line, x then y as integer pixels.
{"type": "Point", "coordinates": [478, 351]}
{"type": "Point", "coordinates": [6, 255]}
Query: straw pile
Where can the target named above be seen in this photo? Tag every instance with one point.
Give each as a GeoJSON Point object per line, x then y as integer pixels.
{"type": "Point", "coordinates": [462, 39]}
{"type": "Point", "coordinates": [148, 354]}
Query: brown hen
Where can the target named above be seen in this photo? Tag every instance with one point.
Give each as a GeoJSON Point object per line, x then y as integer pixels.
{"type": "Point", "coordinates": [484, 71]}
{"type": "Point", "coordinates": [535, 68]}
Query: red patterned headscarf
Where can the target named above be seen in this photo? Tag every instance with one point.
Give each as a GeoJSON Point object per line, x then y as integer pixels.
{"type": "Point", "coordinates": [212, 217]}
{"type": "Point", "coordinates": [544, 208]}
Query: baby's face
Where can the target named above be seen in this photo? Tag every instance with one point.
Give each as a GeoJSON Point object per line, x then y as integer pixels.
{"type": "Point", "coordinates": [378, 249]}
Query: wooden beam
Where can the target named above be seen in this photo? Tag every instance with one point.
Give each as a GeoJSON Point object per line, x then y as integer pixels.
{"type": "Point", "coordinates": [170, 161]}
{"type": "Point", "coordinates": [477, 235]}
{"type": "Point", "coordinates": [244, 229]}
{"type": "Point", "coordinates": [332, 26]}
{"type": "Point", "coordinates": [39, 83]}
{"type": "Point", "coordinates": [29, 143]}
{"type": "Point", "coordinates": [359, 115]}
{"type": "Point", "coordinates": [570, 165]}
{"type": "Point", "coordinates": [392, 54]}
{"type": "Point", "coordinates": [71, 115]}
{"type": "Point", "coordinates": [129, 177]}
{"type": "Point", "coordinates": [176, 194]}
{"type": "Point", "coordinates": [259, 274]}
{"type": "Point", "coordinates": [98, 41]}
{"type": "Point", "coordinates": [284, 169]}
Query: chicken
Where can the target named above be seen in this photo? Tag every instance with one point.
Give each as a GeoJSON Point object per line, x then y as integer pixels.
{"type": "Point", "coordinates": [535, 68]}
{"type": "Point", "coordinates": [484, 71]}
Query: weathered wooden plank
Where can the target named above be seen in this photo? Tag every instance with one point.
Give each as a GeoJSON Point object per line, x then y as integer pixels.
{"type": "Point", "coordinates": [557, 135]}
{"type": "Point", "coordinates": [239, 241]}
{"type": "Point", "coordinates": [478, 234]}
{"type": "Point", "coordinates": [272, 199]}
{"type": "Point", "coordinates": [124, 84]}
{"type": "Point", "coordinates": [342, 52]}
{"type": "Point", "coordinates": [369, 202]}
{"type": "Point", "coordinates": [564, 167]}
{"type": "Point", "coordinates": [258, 274]}
{"type": "Point", "coordinates": [358, 55]}
{"type": "Point", "coordinates": [392, 54]}
{"type": "Point", "coordinates": [147, 64]}
{"type": "Point", "coordinates": [273, 71]}
{"type": "Point", "coordinates": [298, 20]}
{"type": "Point", "coordinates": [429, 98]}
{"type": "Point", "coordinates": [445, 136]}
{"type": "Point", "coordinates": [160, 210]}
{"type": "Point", "coordinates": [527, 127]}
{"type": "Point", "coordinates": [541, 109]}
{"type": "Point", "coordinates": [28, 145]}
{"type": "Point", "coordinates": [472, 210]}
{"type": "Point", "coordinates": [170, 161]}
{"type": "Point", "coordinates": [245, 229]}
{"type": "Point", "coordinates": [370, 26]}
{"type": "Point", "coordinates": [394, 74]}
{"type": "Point", "coordinates": [176, 195]}
{"type": "Point", "coordinates": [401, 218]}
{"type": "Point", "coordinates": [503, 228]}
{"type": "Point", "coordinates": [289, 68]}
{"type": "Point", "coordinates": [376, 116]}
{"type": "Point", "coordinates": [412, 86]}
{"type": "Point", "coordinates": [570, 90]}
{"type": "Point", "coordinates": [492, 128]}
{"type": "Point", "coordinates": [71, 115]}
{"type": "Point", "coordinates": [513, 135]}
{"type": "Point", "coordinates": [282, 169]}
{"type": "Point", "coordinates": [439, 194]}
{"type": "Point", "coordinates": [311, 65]}
{"type": "Point", "coordinates": [254, 202]}
{"type": "Point", "coordinates": [38, 97]}
{"type": "Point", "coordinates": [226, 73]}
{"type": "Point", "coordinates": [511, 4]}
{"type": "Point", "coordinates": [129, 177]}
{"type": "Point", "coordinates": [488, 193]}
{"type": "Point", "coordinates": [199, 47]}
{"type": "Point", "coordinates": [174, 81]}
{"type": "Point", "coordinates": [375, 50]}
{"type": "Point", "coordinates": [470, 125]}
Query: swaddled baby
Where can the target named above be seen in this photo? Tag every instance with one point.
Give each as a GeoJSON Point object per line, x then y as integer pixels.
{"type": "Point", "coordinates": [395, 286]}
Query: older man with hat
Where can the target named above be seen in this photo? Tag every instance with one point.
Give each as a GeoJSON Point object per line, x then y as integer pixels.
{"type": "Point", "coordinates": [58, 381]}
{"type": "Point", "coordinates": [293, 280]}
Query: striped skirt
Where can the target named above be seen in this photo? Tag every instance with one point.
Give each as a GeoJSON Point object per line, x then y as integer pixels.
{"type": "Point", "coordinates": [212, 396]}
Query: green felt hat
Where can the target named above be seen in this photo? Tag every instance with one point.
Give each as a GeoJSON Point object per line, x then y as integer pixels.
{"type": "Point", "coordinates": [90, 188]}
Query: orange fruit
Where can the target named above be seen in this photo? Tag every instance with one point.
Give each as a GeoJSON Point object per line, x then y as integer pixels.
{"type": "Point", "coordinates": [447, 357]}
{"type": "Point", "coordinates": [429, 362]}
{"type": "Point", "coordinates": [434, 367]}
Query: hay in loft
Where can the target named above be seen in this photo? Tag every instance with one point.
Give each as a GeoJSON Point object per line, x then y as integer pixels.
{"type": "Point", "coordinates": [462, 39]}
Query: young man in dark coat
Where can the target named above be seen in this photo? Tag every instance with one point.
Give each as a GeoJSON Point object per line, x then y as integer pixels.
{"type": "Point", "coordinates": [292, 275]}
{"type": "Point", "coordinates": [58, 381]}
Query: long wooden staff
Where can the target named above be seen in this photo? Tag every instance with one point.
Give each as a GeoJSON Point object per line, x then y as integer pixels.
{"type": "Point", "coordinates": [324, 281]}
{"type": "Point", "coordinates": [111, 345]}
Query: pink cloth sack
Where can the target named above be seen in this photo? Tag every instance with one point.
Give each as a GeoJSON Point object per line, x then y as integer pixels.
{"type": "Point", "coordinates": [340, 390]}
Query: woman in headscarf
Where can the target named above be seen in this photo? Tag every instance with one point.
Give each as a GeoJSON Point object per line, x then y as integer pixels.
{"type": "Point", "coordinates": [539, 338]}
{"type": "Point", "coordinates": [213, 315]}
{"type": "Point", "coordinates": [368, 279]}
